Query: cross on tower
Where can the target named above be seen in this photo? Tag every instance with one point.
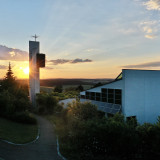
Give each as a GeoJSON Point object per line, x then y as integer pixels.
{"type": "Point", "coordinates": [35, 36]}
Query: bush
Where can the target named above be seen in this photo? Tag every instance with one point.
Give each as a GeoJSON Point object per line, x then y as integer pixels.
{"type": "Point", "coordinates": [87, 134]}
{"type": "Point", "coordinates": [58, 89]}
{"type": "Point", "coordinates": [47, 104]}
{"type": "Point", "coordinates": [82, 111]}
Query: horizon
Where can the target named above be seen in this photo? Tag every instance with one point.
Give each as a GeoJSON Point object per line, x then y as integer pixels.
{"type": "Point", "coordinates": [88, 39]}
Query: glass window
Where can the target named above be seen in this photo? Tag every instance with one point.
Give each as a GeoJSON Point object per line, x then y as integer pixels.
{"type": "Point", "coordinates": [110, 96]}
{"type": "Point", "coordinates": [87, 93]}
{"type": "Point", "coordinates": [118, 101]}
{"type": "Point", "coordinates": [104, 95]}
{"type": "Point", "coordinates": [120, 76]}
{"type": "Point", "coordinates": [110, 91]}
{"type": "Point", "coordinates": [117, 96]}
{"type": "Point", "coordinates": [118, 91]}
{"type": "Point", "coordinates": [92, 93]}
{"type": "Point", "coordinates": [98, 98]}
{"type": "Point", "coordinates": [98, 94]}
{"type": "Point", "coordinates": [87, 97]}
{"type": "Point", "coordinates": [110, 100]}
{"type": "Point", "coordinates": [104, 90]}
{"type": "Point", "coordinates": [83, 96]}
{"type": "Point", "coordinates": [104, 99]}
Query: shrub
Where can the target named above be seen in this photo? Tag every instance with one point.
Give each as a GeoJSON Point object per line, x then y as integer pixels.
{"type": "Point", "coordinates": [85, 135]}
{"type": "Point", "coordinates": [47, 103]}
{"type": "Point", "coordinates": [82, 111]}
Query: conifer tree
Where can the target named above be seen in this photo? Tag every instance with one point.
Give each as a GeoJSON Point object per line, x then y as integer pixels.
{"type": "Point", "coordinates": [9, 80]}
{"type": "Point", "coordinates": [9, 74]}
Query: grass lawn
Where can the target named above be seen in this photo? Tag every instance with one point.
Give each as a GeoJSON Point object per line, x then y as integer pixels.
{"type": "Point", "coordinates": [47, 89]}
{"type": "Point", "coordinates": [17, 132]}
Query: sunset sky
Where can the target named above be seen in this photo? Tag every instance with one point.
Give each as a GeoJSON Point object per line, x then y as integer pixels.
{"type": "Point", "coordinates": [81, 38]}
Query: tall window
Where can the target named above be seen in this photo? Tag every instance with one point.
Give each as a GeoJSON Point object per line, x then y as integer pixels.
{"type": "Point", "coordinates": [104, 94]}
{"type": "Point", "coordinates": [110, 95]}
{"type": "Point", "coordinates": [92, 96]}
{"type": "Point", "coordinates": [87, 95]}
{"type": "Point", "coordinates": [98, 96]}
{"type": "Point", "coordinates": [118, 96]}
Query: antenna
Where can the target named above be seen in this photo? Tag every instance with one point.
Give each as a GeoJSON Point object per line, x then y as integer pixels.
{"type": "Point", "coordinates": [35, 36]}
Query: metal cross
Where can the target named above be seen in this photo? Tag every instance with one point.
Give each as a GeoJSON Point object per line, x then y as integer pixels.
{"type": "Point", "coordinates": [35, 36]}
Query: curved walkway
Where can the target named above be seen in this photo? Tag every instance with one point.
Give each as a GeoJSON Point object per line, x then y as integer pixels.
{"type": "Point", "coordinates": [45, 148]}
{"type": "Point", "coordinates": [66, 101]}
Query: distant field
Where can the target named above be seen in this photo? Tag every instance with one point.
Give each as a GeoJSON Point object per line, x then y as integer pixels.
{"type": "Point", "coordinates": [84, 86]}
{"type": "Point", "coordinates": [50, 89]}
{"type": "Point", "coordinates": [46, 89]}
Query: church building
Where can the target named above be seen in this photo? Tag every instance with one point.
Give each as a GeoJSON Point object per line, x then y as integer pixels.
{"type": "Point", "coordinates": [134, 93]}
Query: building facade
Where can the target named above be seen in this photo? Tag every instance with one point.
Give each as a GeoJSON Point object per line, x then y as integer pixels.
{"type": "Point", "coordinates": [134, 93]}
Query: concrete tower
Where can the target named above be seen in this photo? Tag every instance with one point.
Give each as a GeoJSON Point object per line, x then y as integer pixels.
{"type": "Point", "coordinates": [36, 61]}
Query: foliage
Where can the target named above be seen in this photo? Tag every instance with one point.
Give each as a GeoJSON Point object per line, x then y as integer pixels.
{"type": "Point", "coordinates": [83, 134]}
{"type": "Point", "coordinates": [47, 104]}
{"type": "Point", "coordinates": [58, 89]}
{"type": "Point", "coordinates": [80, 88]}
{"type": "Point", "coordinates": [97, 84]}
{"type": "Point", "coordinates": [82, 111]}
{"type": "Point", "coordinates": [65, 94]}
{"type": "Point", "coordinates": [14, 100]}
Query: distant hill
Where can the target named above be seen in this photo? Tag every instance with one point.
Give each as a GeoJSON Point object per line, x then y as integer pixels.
{"type": "Point", "coordinates": [54, 82]}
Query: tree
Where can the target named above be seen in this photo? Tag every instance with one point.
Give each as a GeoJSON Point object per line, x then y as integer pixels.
{"type": "Point", "coordinates": [9, 74]}
{"type": "Point", "coordinates": [58, 89]}
{"type": "Point", "coordinates": [80, 88]}
{"type": "Point", "coordinates": [9, 80]}
{"type": "Point", "coordinates": [97, 84]}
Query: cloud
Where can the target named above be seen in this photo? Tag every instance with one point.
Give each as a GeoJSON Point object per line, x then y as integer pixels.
{"type": "Point", "coordinates": [143, 65]}
{"type": "Point", "coordinates": [78, 60]}
{"type": "Point", "coordinates": [152, 4]}
{"type": "Point", "coordinates": [150, 36]}
{"type": "Point", "coordinates": [147, 29]}
{"type": "Point", "coordinates": [3, 67]}
{"type": "Point", "coordinates": [59, 61]}
{"type": "Point", "coordinates": [150, 29]}
{"type": "Point", "coordinates": [12, 54]}
{"type": "Point", "coordinates": [63, 61]}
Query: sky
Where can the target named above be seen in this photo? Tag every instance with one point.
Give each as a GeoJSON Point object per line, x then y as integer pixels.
{"type": "Point", "coordinates": [81, 38]}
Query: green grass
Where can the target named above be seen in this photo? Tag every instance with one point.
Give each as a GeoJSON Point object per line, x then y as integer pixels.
{"type": "Point", "coordinates": [17, 132]}
{"type": "Point", "coordinates": [47, 89]}
{"type": "Point", "coordinates": [75, 86]}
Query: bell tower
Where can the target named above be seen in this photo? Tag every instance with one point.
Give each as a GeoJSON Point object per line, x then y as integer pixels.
{"type": "Point", "coordinates": [36, 61]}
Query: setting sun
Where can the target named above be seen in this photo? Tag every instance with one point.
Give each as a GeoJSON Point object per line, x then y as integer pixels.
{"type": "Point", "coordinates": [26, 70]}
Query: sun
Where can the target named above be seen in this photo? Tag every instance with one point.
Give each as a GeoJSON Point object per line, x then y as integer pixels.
{"type": "Point", "coordinates": [26, 70]}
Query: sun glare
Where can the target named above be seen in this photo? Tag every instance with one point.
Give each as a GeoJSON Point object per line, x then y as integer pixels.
{"type": "Point", "coordinates": [26, 70]}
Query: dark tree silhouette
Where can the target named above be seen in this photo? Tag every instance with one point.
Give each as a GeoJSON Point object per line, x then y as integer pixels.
{"type": "Point", "coordinates": [80, 88]}
{"type": "Point", "coordinates": [58, 89]}
{"type": "Point", "coordinates": [9, 74]}
{"type": "Point", "coordinates": [9, 79]}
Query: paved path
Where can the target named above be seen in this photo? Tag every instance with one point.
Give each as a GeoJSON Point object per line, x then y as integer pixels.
{"type": "Point", "coordinates": [66, 101]}
{"type": "Point", "coordinates": [44, 148]}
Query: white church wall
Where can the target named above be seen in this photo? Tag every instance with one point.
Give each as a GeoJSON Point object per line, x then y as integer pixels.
{"type": "Point", "coordinates": [142, 94]}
